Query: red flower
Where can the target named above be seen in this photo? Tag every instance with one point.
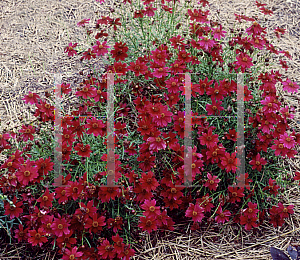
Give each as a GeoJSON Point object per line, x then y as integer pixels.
{"type": "Point", "coordinates": [150, 208]}
{"type": "Point", "coordinates": [212, 182]}
{"type": "Point", "coordinates": [118, 243]}
{"type": "Point", "coordinates": [27, 174]}
{"type": "Point", "coordinates": [127, 253]}
{"type": "Point", "coordinates": [272, 187]}
{"type": "Point", "coordinates": [205, 202]}
{"type": "Point", "coordinates": [37, 237]}
{"type": "Point", "coordinates": [285, 211]}
{"type": "Point", "coordinates": [148, 224]}
{"type": "Point", "coordinates": [257, 162]}
{"type": "Point", "coordinates": [198, 15]}
{"type": "Point", "coordinates": [83, 22]}
{"type": "Point", "coordinates": [209, 139]}
{"type": "Point", "coordinates": [249, 222]}
{"type": "Point", "coordinates": [114, 22]}
{"type": "Point", "coordinates": [106, 250]}
{"type": "Point", "coordinates": [83, 150]}
{"type": "Point", "coordinates": [86, 92]}
{"type": "Point", "coordinates": [156, 143]}
{"type": "Point", "coordinates": [21, 234]}
{"type": "Point", "coordinates": [95, 223]}
{"type": "Point", "coordinates": [236, 194]}
{"type": "Point", "coordinates": [27, 132]}
{"type": "Point", "coordinates": [251, 211]}
{"type": "Point", "coordinates": [87, 55]}
{"type": "Point", "coordinates": [206, 43]}
{"type": "Point", "coordinates": [195, 212]}
{"type": "Point", "coordinates": [148, 181]}
{"type": "Point", "coordinates": [176, 41]}
{"type": "Point", "coordinates": [120, 51]}
{"type": "Point", "coordinates": [276, 220]}
{"type": "Point", "coordinates": [31, 98]}
{"type": "Point", "coordinates": [230, 162]}
{"type": "Point", "coordinates": [13, 210]}
{"type": "Point", "coordinates": [44, 165]}
{"type": "Point", "coordinates": [139, 14]}
{"type": "Point", "coordinates": [244, 61]}
{"type": "Point", "coordinates": [107, 193]}
{"type": "Point", "coordinates": [73, 190]}
{"type": "Point", "coordinates": [46, 199]}
{"type": "Point", "coordinates": [214, 108]}
{"type": "Point", "coordinates": [95, 127]}
{"type": "Point", "coordinates": [100, 48]}
{"type": "Point", "coordinates": [287, 141]}
{"type": "Point", "coordinates": [223, 216]}
{"type": "Point", "coordinates": [71, 254]}
{"type": "Point", "coordinates": [161, 72]}
{"type": "Point", "coordinates": [297, 176]}
{"type": "Point", "coordinates": [60, 227]}
{"type": "Point", "coordinates": [70, 49]}
{"type": "Point", "coordinates": [139, 68]}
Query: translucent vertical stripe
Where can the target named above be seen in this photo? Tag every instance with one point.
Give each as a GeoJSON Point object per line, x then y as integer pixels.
{"type": "Point", "coordinates": [57, 131]}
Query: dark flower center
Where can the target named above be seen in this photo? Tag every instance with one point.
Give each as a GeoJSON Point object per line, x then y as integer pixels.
{"type": "Point", "coordinates": [47, 106]}
{"type": "Point", "coordinates": [95, 224]}
{"type": "Point", "coordinates": [158, 139]}
{"type": "Point", "coordinates": [234, 194]}
{"type": "Point", "coordinates": [152, 208]}
{"type": "Point", "coordinates": [280, 146]}
{"type": "Point", "coordinates": [148, 223]}
{"type": "Point", "coordinates": [95, 125]}
{"type": "Point", "coordinates": [173, 190]}
{"type": "Point", "coordinates": [37, 236]}
{"type": "Point", "coordinates": [60, 226]}
{"type": "Point", "coordinates": [288, 139]}
{"type": "Point", "coordinates": [257, 162]}
{"type": "Point", "coordinates": [45, 198]}
{"type": "Point", "coordinates": [211, 182]}
{"type": "Point", "coordinates": [66, 136]}
{"type": "Point", "coordinates": [173, 84]}
{"type": "Point", "coordinates": [85, 89]}
{"type": "Point", "coordinates": [71, 257]}
{"type": "Point", "coordinates": [250, 210]}
{"type": "Point", "coordinates": [245, 59]}
{"type": "Point", "coordinates": [30, 95]}
{"type": "Point", "coordinates": [193, 166]}
{"type": "Point", "coordinates": [75, 189]}
{"type": "Point", "coordinates": [9, 164]}
{"type": "Point", "coordinates": [100, 46]}
{"type": "Point", "coordinates": [285, 210]}
{"type": "Point", "coordinates": [214, 108]}
{"type": "Point", "coordinates": [160, 69]}
{"type": "Point", "coordinates": [230, 160]}
{"type": "Point", "coordinates": [99, 91]}
{"type": "Point", "coordinates": [26, 173]}
{"type": "Point", "coordinates": [27, 131]}
{"type": "Point", "coordinates": [222, 215]}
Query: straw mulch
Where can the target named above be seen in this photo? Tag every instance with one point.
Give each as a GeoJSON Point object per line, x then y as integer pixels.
{"type": "Point", "coordinates": [33, 36]}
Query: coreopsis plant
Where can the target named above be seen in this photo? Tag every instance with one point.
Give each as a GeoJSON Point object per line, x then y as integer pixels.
{"type": "Point", "coordinates": [149, 51]}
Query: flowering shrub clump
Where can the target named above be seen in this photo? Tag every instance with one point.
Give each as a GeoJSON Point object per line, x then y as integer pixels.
{"type": "Point", "coordinates": [150, 51]}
